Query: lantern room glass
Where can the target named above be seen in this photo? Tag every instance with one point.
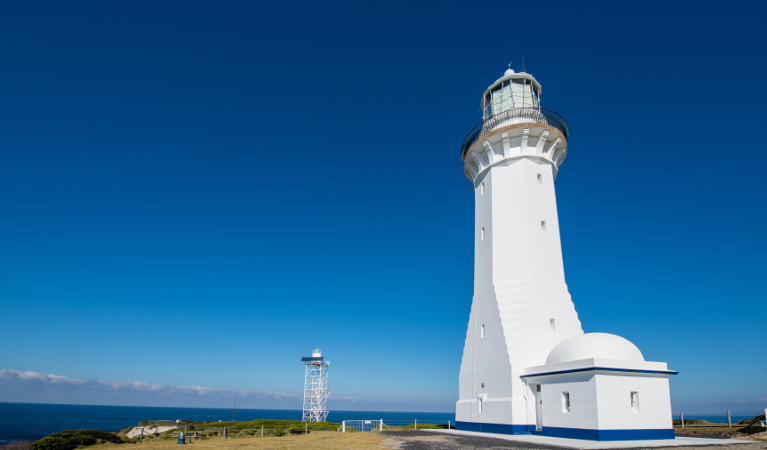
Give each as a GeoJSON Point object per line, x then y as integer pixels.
{"type": "Point", "coordinates": [510, 94]}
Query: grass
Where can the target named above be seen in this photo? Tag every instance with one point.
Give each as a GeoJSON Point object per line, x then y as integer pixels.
{"type": "Point", "coordinates": [266, 423]}
{"type": "Point", "coordinates": [317, 440]}
{"type": "Point", "coordinates": [694, 427]}
{"type": "Point", "coordinates": [209, 430]}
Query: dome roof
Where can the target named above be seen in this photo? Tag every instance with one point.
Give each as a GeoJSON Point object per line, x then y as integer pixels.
{"type": "Point", "coordinates": [594, 345]}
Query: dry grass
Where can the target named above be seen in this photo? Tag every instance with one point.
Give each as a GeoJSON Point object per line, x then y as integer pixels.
{"type": "Point", "coordinates": [314, 440]}
{"type": "Point", "coordinates": [703, 429]}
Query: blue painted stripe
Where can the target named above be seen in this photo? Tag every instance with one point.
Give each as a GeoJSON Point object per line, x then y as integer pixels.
{"type": "Point", "coordinates": [569, 433]}
{"type": "Point", "coordinates": [609, 369]}
{"type": "Point", "coordinates": [608, 435]}
{"type": "Point", "coordinates": [500, 428]}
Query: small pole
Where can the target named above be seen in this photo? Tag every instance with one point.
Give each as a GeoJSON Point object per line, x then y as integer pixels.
{"type": "Point", "coordinates": [729, 419]}
{"type": "Point", "coordinates": [262, 431]}
{"type": "Point", "coordinates": [141, 438]}
{"type": "Point", "coordinates": [448, 424]}
{"type": "Point", "coordinates": [235, 408]}
{"type": "Point", "coordinates": [343, 427]}
{"type": "Point", "coordinates": [415, 426]}
{"type": "Point", "coordinates": [681, 414]}
{"type": "Point", "coordinates": [306, 427]}
{"type": "Point", "coordinates": [380, 425]}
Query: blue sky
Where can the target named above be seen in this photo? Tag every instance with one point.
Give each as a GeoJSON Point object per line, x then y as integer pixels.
{"type": "Point", "coordinates": [198, 193]}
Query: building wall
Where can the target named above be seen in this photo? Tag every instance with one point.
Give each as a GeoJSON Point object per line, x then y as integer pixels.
{"type": "Point", "coordinates": [600, 406]}
{"type": "Point", "coordinates": [614, 402]}
{"type": "Point", "coordinates": [584, 405]}
{"type": "Point", "coordinates": [519, 283]}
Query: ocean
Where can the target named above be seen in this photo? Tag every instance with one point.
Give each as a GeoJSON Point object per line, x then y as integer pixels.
{"type": "Point", "coordinates": [32, 421]}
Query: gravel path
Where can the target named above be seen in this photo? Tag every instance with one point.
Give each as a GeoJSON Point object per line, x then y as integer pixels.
{"type": "Point", "coordinates": [425, 440]}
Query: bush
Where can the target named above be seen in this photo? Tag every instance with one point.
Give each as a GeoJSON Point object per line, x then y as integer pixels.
{"type": "Point", "coordinates": [71, 439]}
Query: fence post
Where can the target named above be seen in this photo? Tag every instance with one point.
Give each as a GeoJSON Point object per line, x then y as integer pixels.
{"type": "Point", "coordinates": [380, 425]}
{"type": "Point", "coordinates": [343, 427]}
{"type": "Point", "coordinates": [262, 431]}
{"type": "Point", "coordinates": [448, 424]}
{"type": "Point", "coordinates": [681, 415]}
{"type": "Point", "coordinates": [415, 426]}
{"type": "Point", "coordinates": [141, 438]}
{"type": "Point", "coordinates": [306, 427]}
{"type": "Point", "coordinates": [729, 419]}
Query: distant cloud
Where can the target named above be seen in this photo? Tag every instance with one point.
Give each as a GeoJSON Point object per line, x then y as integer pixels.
{"type": "Point", "coordinates": [35, 387]}
{"type": "Point", "coordinates": [753, 400]}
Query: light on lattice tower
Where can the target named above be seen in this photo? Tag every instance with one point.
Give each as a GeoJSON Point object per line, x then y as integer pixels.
{"type": "Point", "coordinates": [316, 387]}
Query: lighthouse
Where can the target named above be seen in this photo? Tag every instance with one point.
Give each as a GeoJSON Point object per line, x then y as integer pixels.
{"type": "Point", "coordinates": [524, 340]}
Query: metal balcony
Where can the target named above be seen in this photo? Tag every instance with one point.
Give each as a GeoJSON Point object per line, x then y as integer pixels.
{"type": "Point", "coordinates": [514, 116]}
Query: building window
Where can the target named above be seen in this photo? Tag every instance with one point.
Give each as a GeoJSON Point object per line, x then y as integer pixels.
{"type": "Point", "coordinates": [635, 402]}
{"type": "Point", "coordinates": [482, 188]}
{"type": "Point", "coordinates": [479, 407]}
{"type": "Point", "coordinates": [565, 402]}
{"type": "Point", "coordinates": [540, 179]}
{"type": "Point", "coordinates": [553, 324]}
{"type": "Point", "coordinates": [543, 226]}
{"type": "Point", "coordinates": [482, 234]}
{"type": "Point", "coordinates": [482, 331]}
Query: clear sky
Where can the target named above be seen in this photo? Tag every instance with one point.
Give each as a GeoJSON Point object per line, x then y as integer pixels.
{"type": "Point", "coordinates": [199, 193]}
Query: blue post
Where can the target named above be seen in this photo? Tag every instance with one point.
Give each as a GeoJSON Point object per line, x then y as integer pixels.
{"type": "Point", "coordinates": [181, 438]}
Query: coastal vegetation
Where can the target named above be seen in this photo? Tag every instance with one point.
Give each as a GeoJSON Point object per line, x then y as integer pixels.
{"type": "Point", "coordinates": [72, 439]}
{"type": "Point", "coordinates": [702, 428]}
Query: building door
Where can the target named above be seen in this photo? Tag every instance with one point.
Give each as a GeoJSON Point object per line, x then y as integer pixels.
{"type": "Point", "coordinates": [538, 407]}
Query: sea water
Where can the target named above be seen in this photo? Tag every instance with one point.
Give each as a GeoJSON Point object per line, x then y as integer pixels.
{"type": "Point", "coordinates": [32, 421]}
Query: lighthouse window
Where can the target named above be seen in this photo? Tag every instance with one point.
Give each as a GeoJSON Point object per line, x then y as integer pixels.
{"type": "Point", "coordinates": [482, 234]}
{"type": "Point", "coordinates": [501, 96]}
{"type": "Point", "coordinates": [540, 179]}
{"type": "Point", "coordinates": [482, 188]}
{"type": "Point", "coordinates": [565, 402]}
{"type": "Point", "coordinates": [635, 402]}
{"type": "Point", "coordinates": [543, 226]}
{"type": "Point", "coordinates": [482, 331]}
{"type": "Point", "coordinates": [518, 93]}
{"type": "Point", "coordinates": [479, 407]}
{"type": "Point", "coordinates": [553, 324]}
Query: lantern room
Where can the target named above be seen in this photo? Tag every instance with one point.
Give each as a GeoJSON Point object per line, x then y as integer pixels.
{"type": "Point", "coordinates": [511, 91]}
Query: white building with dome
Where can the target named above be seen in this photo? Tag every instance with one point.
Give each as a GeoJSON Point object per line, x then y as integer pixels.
{"type": "Point", "coordinates": [527, 367]}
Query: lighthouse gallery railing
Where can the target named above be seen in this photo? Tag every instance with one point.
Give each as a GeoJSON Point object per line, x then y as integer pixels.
{"type": "Point", "coordinates": [517, 115]}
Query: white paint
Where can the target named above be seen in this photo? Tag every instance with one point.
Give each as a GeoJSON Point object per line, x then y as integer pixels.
{"type": "Point", "coordinates": [519, 282]}
{"type": "Point", "coordinates": [521, 295]}
{"type": "Point", "coordinates": [594, 345]}
{"type": "Point", "coordinates": [601, 399]}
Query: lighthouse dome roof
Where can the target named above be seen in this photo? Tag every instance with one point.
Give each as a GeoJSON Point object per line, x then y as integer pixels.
{"type": "Point", "coordinates": [594, 345]}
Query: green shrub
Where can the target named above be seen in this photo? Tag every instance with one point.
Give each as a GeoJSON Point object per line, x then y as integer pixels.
{"type": "Point", "coordinates": [71, 439]}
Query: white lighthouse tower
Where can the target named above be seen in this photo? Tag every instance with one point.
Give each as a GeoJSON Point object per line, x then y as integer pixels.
{"type": "Point", "coordinates": [521, 309]}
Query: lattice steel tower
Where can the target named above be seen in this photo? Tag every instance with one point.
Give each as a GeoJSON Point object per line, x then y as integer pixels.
{"type": "Point", "coordinates": [316, 387]}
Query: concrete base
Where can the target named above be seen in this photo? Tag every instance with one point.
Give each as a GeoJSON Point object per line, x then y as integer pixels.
{"type": "Point", "coordinates": [584, 444]}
